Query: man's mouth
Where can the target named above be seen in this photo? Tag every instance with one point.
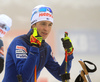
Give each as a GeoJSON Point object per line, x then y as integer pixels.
{"type": "Point", "coordinates": [44, 33]}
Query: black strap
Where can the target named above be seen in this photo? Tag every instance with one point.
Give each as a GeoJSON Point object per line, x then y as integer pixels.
{"type": "Point", "coordinates": [65, 76]}
{"type": "Point", "coordinates": [79, 78]}
{"type": "Point", "coordinates": [88, 69]}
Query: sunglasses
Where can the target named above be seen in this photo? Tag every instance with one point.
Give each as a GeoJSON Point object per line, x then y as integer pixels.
{"type": "Point", "coordinates": [3, 26]}
{"type": "Point", "coordinates": [42, 9]}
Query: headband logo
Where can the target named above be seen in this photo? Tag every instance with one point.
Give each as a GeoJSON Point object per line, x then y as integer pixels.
{"type": "Point", "coordinates": [2, 32]}
{"type": "Point", "coordinates": [45, 14]}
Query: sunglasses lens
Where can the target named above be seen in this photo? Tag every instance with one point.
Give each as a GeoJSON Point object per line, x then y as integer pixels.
{"type": "Point", "coordinates": [7, 28]}
{"type": "Point", "coordinates": [44, 9]}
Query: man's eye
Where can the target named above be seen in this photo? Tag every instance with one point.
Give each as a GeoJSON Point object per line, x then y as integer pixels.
{"type": "Point", "coordinates": [50, 24]}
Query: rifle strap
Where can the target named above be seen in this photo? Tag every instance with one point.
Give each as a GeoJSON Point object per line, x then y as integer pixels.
{"type": "Point", "coordinates": [88, 69]}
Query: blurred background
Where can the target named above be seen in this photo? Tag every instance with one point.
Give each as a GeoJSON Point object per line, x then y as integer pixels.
{"type": "Point", "coordinates": [80, 18]}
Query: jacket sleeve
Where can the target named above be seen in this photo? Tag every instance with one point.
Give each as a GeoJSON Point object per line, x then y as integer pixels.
{"type": "Point", "coordinates": [55, 69]}
{"type": "Point", "coordinates": [24, 60]}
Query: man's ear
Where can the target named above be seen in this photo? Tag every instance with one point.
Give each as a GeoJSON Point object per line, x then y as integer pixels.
{"type": "Point", "coordinates": [34, 25]}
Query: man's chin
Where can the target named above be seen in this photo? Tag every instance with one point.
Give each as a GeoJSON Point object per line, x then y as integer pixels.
{"type": "Point", "coordinates": [44, 38]}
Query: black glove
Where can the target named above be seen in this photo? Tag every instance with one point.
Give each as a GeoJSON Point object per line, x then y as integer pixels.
{"type": "Point", "coordinates": [67, 44]}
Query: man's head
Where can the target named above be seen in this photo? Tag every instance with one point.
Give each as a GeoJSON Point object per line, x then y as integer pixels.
{"type": "Point", "coordinates": [5, 24]}
{"type": "Point", "coordinates": [41, 13]}
{"type": "Point", "coordinates": [42, 19]}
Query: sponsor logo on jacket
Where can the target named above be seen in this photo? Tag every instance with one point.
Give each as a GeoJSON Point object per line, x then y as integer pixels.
{"type": "Point", "coordinates": [21, 52]}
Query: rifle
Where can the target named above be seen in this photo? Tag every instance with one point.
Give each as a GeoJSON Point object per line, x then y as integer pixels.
{"type": "Point", "coordinates": [85, 71]}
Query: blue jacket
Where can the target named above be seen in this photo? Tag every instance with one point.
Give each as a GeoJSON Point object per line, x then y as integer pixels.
{"type": "Point", "coordinates": [22, 57]}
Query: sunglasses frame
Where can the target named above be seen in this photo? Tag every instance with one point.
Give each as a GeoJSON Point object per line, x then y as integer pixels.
{"type": "Point", "coordinates": [3, 26]}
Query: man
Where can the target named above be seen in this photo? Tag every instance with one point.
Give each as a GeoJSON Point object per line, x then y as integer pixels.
{"type": "Point", "coordinates": [5, 24]}
{"type": "Point", "coordinates": [29, 53]}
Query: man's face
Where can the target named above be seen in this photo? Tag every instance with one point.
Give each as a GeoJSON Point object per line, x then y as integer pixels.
{"type": "Point", "coordinates": [44, 28]}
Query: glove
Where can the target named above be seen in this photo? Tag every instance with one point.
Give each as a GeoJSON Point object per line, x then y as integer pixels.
{"type": "Point", "coordinates": [35, 38]}
{"type": "Point", "coordinates": [67, 44]}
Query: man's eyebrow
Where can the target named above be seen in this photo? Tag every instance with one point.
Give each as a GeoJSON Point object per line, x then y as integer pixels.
{"type": "Point", "coordinates": [51, 23]}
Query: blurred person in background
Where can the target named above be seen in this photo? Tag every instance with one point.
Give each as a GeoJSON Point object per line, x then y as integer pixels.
{"type": "Point", "coordinates": [28, 54]}
{"type": "Point", "coordinates": [5, 24]}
